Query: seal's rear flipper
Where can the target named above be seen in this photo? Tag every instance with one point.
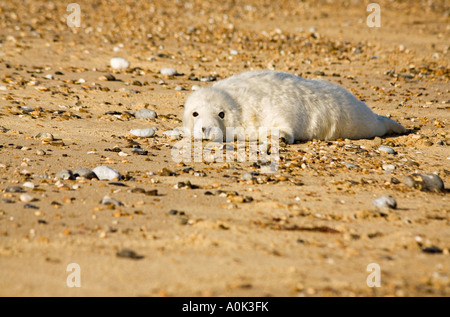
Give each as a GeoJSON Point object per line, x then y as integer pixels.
{"type": "Point", "coordinates": [391, 126]}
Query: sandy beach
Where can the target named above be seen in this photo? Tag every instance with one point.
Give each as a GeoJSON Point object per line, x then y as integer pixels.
{"type": "Point", "coordinates": [167, 228]}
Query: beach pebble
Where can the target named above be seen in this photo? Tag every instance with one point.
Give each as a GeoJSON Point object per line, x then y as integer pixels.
{"type": "Point", "coordinates": [386, 149]}
{"type": "Point", "coordinates": [385, 202]}
{"type": "Point", "coordinates": [145, 114]}
{"type": "Point", "coordinates": [351, 165]}
{"type": "Point", "coordinates": [107, 77]}
{"type": "Point", "coordinates": [106, 173]}
{"type": "Point", "coordinates": [179, 88]}
{"type": "Point", "coordinates": [14, 189]}
{"type": "Point", "coordinates": [432, 249]}
{"type": "Point", "coordinates": [130, 254]}
{"type": "Point", "coordinates": [139, 151]}
{"type": "Point", "coordinates": [28, 185]}
{"type": "Point", "coordinates": [30, 206]}
{"type": "Point", "coordinates": [40, 152]}
{"type": "Point", "coordinates": [26, 198]}
{"type": "Point", "coordinates": [143, 133]}
{"type": "Point", "coordinates": [195, 87]}
{"type": "Point", "coordinates": [388, 167]}
{"type": "Point", "coordinates": [247, 177]}
{"type": "Point", "coordinates": [208, 78]}
{"type": "Point", "coordinates": [108, 201]}
{"type": "Point", "coordinates": [84, 172]}
{"type": "Point", "coordinates": [425, 182]}
{"type": "Point", "coordinates": [44, 136]}
{"type": "Point", "coordinates": [26, 109]}
{"type": "Point", "coordinates": [168, 71]}
{"type": "Point", "coordinates": [172, 134]}
{"type": "Point", "coordinates": [119, 63]}
{"type": "Point", "coordinates": [64, 174]}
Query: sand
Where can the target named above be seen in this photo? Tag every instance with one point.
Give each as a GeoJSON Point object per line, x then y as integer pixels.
{"type": "Point", "coordinates": [309, 229]}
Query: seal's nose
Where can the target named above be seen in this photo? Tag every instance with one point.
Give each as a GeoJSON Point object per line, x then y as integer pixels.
{"type": "Point", "coordinates": [211, 133]}
{"type": "Point", "coordinates": [207, 133]}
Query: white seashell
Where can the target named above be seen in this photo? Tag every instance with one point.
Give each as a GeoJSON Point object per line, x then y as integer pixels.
{"type": "Point", "coordinates": [143, 133]}
{"type": "Point", "coordinates": [119, 63]}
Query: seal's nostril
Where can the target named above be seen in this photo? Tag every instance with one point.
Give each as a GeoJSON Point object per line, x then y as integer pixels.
{"type": "Point", "coordinates": [203, 130]}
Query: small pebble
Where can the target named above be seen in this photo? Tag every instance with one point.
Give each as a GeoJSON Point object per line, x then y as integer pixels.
{"type": "Point", "coordinates": [248, 177]}
{"type": "Point", "coordinates": [84, 172]}
{"type": "Point", "coordinates": [145, 114]}
{"type": "Point", "coordinates": [432, 249]}
{"type": "Point", "coordinates": [119, 63]}
{"type": "Point", "coordinates": [118, 184]}
{"type": "Point", "coordinates": [26, 198]}
{"type": "Point", "coordinates": [388, 167]}
{"type": "Point", "coordinates": [108, 201]}
{"type": "Point", "coordinates": [425, 182]}
{"type": "Point", "coordinates": [169, 71]}
{"type": "Point", "coordinates": [179, 88]}
{"type": "Point", "coordinates": [14, 189]}
{"type": "Point", "coordinates": [107, 77]}
{"type": "Point", "coordinates": [130, 254]}
{"type": "Point", "coordinates": [30, 206]}
{"type": "Point", "coordinates": [40, 152]}
{"type": "Point", "coordinates": [152, 192]}
{"type": "Point", "coordinates": [209, 78]}
{"type": "Point", "coordinates": [385, 202]}
{"type": "Point", "coordinates": [195, 87]}
{"type": "Point", "coordinates": [106, 173]}
{"type": "Point", "coordinates": [137, 190]}
{"type": "Point", "coordinates": [173, 212]}
{"type": "Point", "coordinates": [139, 151]}
{"type": "Point", "coordinates": [351, 165]}
{"type": "Point", "coordinates": [172, 134]}
{"type": "Point", "coordinates": [64, 174]}
{"type": "Point", "coordinates": [143, 133]}
{"type": "Point", "coordinates": [44, 136]}
{"type": "Point", "coordinates": [28, 185]}
{"type": "Point", "coordinates": [386, 149]}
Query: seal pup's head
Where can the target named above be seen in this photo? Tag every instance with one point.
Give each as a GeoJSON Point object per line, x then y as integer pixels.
{"type": "Point", "coordinates": [208, 112]}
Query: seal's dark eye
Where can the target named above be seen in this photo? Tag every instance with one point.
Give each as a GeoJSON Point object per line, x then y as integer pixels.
{"type": "Point", "coordinates": [195, 114]}
{"type": "Point", "coordinates": [221, 114]}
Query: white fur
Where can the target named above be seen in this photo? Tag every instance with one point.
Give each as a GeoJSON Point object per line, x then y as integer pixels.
{"type": "Point", "coordinates": [302, 109]}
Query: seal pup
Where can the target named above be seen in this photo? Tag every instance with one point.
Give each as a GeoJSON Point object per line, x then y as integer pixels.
{"type": "Point", "coordinates": [300, 108]}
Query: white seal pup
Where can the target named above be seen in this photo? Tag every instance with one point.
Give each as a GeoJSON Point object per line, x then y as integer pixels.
{"type": "Point", "coordinates": [301, 109]}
